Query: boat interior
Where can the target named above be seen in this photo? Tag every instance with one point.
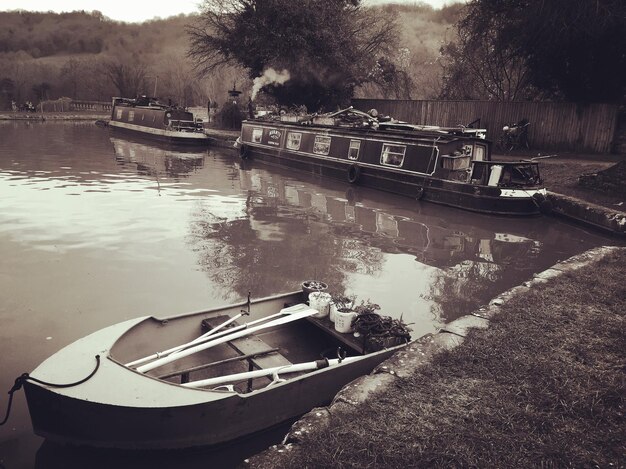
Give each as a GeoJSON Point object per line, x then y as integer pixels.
{"type": "Point", "coordinates": [299, 341]}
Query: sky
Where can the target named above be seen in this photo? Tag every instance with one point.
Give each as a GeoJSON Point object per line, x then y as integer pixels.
{"type": "Point", "coordinates": [140, 10]}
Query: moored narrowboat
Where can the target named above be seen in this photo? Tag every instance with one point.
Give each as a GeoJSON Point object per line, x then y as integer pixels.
{"type": "Point", "coordinates": [146, 116]}
{"type": "Point", "coordinates": [442, 165]}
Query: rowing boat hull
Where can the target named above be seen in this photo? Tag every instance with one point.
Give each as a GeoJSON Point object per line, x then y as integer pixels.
{"type": "Point", "coordinates": [122, 408]}
{"type": "Point", "coordinates": [162, 135]}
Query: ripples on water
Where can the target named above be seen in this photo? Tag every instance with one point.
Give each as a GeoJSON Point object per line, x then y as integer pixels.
{"type": "Point", "coordinates": [96, 228]}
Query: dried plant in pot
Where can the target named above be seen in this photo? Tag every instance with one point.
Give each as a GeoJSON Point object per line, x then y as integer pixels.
{"type": "Point", "coordinates": [378, 331]}
{"type": "Point", "coordinates": [310, 286]}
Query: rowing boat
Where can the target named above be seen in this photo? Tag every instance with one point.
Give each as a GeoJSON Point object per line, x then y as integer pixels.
{"type": "Point", "coordinates": [197, 379]}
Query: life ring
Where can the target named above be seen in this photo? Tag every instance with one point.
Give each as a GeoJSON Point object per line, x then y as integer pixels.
{"type": "Point", "coordinates": [243, 151]}
{"type": "Point", "coordinates": [354, 173]}
{"type": "Point", "coordinates": [168, 114]}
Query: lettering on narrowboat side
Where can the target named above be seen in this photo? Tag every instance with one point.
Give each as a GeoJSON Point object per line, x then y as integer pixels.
{"type": "Point", "coordinates": [321, 145]}
{"type": "Point", "coordinates": [274, 137]}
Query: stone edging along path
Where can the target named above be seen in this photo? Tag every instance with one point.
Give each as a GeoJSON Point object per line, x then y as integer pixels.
{"type": "Point", "coordinates": [595, 216]}
{"type": "Point", "coordinates": [404, 363]}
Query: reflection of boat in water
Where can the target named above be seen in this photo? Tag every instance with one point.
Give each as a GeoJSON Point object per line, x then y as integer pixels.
{"type": "Point", "coordinates": [437, 165]}
{"type": "Point", "coordinates": [429, 234]}
{"type": "Point", "coordinates": [146, 116]}
{"type": "Point", "coordinates": [151, 157]}
{"type": "Point", "coordinates": [204, 388]}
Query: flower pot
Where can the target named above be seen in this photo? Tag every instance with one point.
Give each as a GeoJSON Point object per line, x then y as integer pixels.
{"type": "Point", "coordinates": [320, 301]}
{"type": "Point", "coordinates": [333, 312]}
{"type": "Point", "coordinates": [311, 286]}
{"type": "Point", "coordinates": [343, 321]}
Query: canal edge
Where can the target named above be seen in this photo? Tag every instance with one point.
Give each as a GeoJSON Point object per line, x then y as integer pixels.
{"type": "Point", "coordinates": [602, 218]}
{"type": "Point", "coordinates": [407, 361]}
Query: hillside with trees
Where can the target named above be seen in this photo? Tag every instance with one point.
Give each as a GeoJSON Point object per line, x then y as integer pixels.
{"type": "Point", "coordinates": [87, 56]}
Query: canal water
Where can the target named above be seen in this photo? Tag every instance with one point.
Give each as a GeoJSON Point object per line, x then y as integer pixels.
{"type": "Point", "coordinates": [97, 228]}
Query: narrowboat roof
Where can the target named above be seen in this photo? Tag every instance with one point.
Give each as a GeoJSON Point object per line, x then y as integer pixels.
{"type": "Point", "coordinates": [427, 135]}
{"type": "Point", "coordinates": [353, 119]}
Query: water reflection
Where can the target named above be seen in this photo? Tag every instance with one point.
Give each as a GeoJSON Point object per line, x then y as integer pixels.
{"type": "Point", "coordinates": [342, 232]}
{"type": "Point", "coordinates": [54, 456]}
{"type": "Point", "coordinates": [176, 161]}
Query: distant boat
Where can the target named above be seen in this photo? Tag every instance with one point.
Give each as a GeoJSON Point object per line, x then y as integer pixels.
{"type": "Point", "coordinates": [450, 166]}
{"type": "Point", "coordinates": [202, 388]}
{"type": "Point", "coordinates": [148, 117]}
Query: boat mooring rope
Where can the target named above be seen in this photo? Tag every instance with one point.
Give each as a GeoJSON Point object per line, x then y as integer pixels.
{"type": "Point", "coordinates": [20, 380]}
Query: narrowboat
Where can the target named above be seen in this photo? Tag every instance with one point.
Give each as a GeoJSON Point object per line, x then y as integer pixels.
{"type": "Point", "coordinates": [146, 116]}
{"type": "Point", "coordinates": [436, 164]}
{"type": "Point", "coordinates": [218, 375]}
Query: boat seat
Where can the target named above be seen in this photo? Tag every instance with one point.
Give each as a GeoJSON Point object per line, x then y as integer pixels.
{"type": "Point", "coordinates": [249, 345]}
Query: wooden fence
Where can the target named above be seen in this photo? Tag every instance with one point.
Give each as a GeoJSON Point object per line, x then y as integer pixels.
{"type": "Point", "coordinates": [69, 105]}
{"type": "Point", "coordinates": [553, 126]}
{"type": "Point", "coordinates": [91, 106]}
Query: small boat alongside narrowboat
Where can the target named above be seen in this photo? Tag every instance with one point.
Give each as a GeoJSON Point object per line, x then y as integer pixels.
{"type": "Point", "coordinates": [449, 166]}
{"type": "Point", "coordinates": [218, 375]}
{"type": "Point", "coordinates": [146, 116]}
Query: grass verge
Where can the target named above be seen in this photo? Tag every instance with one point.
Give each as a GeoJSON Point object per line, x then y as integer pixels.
{"type": "Point", "coordinates": [544, 386]}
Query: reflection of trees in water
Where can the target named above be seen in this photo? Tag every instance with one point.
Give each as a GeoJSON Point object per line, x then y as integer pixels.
{"type": "Point", "coordinates": [461, 289]}
{"type": "Point", "coordinates": [274, 248]}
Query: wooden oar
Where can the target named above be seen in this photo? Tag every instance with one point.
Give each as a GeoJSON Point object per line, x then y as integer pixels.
{"type": "Point", "coordinates": [164, 353]}
{"type": "Point", "coordinates": [270, 371]}
{"type": "Point", "coordinates": [212, 334]}
{"type": "Point", "coordinates": [293, 314]}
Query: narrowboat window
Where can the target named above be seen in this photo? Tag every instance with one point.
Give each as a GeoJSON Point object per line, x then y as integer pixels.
{"type": "Point", "coordinates": [479, 153]}
{"type": "Point", "coordinates": [293, 140]}
{"type": "Point", "coordinates": [119, 114]}
{"type": "Point", "coordinates": [353, 152]}
{"type": "Point", "coordinates": [321, 145]}
{"type": "Point", "coordinates": [257, 134]}
{"type": "Point", "coordinates": [131, 116]}
{"type": "Point", "coordinates": [392, 155]}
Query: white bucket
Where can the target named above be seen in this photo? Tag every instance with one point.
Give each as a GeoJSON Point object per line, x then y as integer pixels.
{"type": "Point", "coordinates": [333, 312]}
{"type": "Point", "coordinates": [320, 301]}
{"type": "Point", "coordinates": [343, 321]}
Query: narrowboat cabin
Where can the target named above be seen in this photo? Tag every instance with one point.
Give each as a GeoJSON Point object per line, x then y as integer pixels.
{"type": "Point", "coordinates": [146, 116]}
{"type": "Point", "coordinates": [436, 164]}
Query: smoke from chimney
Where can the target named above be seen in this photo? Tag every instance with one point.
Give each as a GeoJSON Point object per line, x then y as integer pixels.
{"type": "Point", "coordinates": [270, 76]}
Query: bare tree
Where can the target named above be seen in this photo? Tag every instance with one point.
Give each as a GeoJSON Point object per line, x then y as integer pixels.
{"type": "Point", "coordinates": [128, 77]}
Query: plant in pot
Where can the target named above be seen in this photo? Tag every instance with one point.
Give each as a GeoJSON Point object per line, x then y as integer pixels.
{"type": "Point", "coordinates": [379, 331]}
{"type": "Point", "coordinates": [311, 286]}
{"type": "Point", "coordinates": [345, 315]}
{"type": "Point", "coordinates": [340, 303]}
{"type": "Point", "coordinates": [366, 307]}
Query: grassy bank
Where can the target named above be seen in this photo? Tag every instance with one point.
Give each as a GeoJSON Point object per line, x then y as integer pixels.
{"type": "Point", "coordinates": [544, 386]}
